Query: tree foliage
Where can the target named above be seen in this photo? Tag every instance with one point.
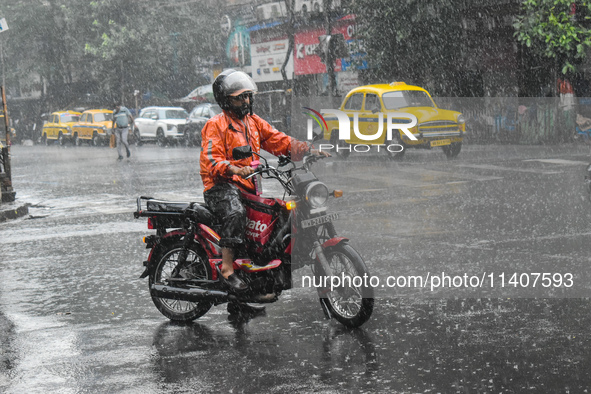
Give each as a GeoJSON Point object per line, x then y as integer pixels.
{"type": "Point", "coordinates": [109, 48]}
{"type": "Point", "coordinates": [556, 29]}
{"type": "Point", "coordinates": [411, 40]}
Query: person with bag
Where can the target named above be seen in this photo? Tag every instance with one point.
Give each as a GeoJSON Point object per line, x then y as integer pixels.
{"type": "Point", "coordinates": [121, 119]}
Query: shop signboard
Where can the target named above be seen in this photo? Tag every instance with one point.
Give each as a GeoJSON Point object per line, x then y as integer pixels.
{"type": "Point", "coordinates": [238, 47]}
{"type": "Point", "coordinates": [307, 61]}
{"type": "Point", "coordinates": [268, 57]}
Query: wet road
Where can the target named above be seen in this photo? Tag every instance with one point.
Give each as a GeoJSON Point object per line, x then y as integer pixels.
{"type": "Point", "coordinates": [75, 318]}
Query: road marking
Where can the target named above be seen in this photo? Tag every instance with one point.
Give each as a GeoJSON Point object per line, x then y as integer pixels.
{"type": "Point", "coordinates": [366, 190]}
{"type": "Point", "coordinates": [17, 236]}
{"type": "Point", "coordinates": [499, 168]}
{"type": "Point", "coordinates": [431, 175]}
{"type": "Point", "coordinates": [560, 162]}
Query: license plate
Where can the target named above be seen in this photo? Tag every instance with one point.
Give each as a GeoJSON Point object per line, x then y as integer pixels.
{"type": "Point", "coordinates": [441, 142]}
{"type": "Point", "coordinates": [319, 220]}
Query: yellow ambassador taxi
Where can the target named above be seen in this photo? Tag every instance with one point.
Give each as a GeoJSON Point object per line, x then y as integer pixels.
{"type": "Point", "coordinates": [94, 127]}
{"type": "Point", "coordinates": [435, 127]}
{"type": "Point", "coordinates": [59, 127]}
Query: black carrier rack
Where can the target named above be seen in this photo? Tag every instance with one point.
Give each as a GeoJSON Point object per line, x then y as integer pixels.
{"type": "Point", "coordinates": [170, 214]}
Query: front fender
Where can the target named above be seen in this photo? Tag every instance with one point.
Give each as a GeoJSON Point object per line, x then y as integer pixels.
{"type": "Point", "coordinates": [334, 241]}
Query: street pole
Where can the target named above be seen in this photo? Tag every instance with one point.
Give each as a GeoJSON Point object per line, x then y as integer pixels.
{"type": "Point", "coordinates": [5, 112]}
{"type": "Point", "coordinates": [122, 80]}
{"type": "Point", "coordinates": [2, 60]}
{"type": "Point", "coordinates": [329, 53]}
{"type": "Point", "coordinates": [4, 108]}
{"type": "Point", "coordinates": [7, 194]}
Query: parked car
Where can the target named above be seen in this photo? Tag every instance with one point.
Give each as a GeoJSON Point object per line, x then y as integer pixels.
{"type": "Point", "coordinates": [94, 126]}
{"type": "Point", "coordinates": [197, 119]}
{"type": "Point", "coordinates": [160, 124]}
{"type": "Point", "coordinates": [435, 128]}
{"type": "Point", "coordinates": [59, 127]}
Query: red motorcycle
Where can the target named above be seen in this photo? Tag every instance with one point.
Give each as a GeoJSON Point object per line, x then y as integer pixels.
{"type": "Point", "coordinates": [281, 235]}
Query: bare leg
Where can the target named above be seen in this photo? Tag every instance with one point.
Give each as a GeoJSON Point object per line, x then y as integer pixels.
{"type": "Point", "coordinates": [227, 262]}
{"type": "Point", "coordinates": [227, 271]}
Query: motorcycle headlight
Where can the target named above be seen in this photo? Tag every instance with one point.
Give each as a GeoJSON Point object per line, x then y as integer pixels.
{"type": "Point", "coordinates": [316, 194]}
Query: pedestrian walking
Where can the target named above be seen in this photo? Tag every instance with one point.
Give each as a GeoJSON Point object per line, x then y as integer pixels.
{"type": "Point", "coordinates": [121, 120]}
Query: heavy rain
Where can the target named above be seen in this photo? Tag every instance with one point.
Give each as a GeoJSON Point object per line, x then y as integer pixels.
{"type": "Point", "coordinates": [474, 235]}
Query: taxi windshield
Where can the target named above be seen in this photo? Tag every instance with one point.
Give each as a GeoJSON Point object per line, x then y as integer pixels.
{"type": "Point", "coordinates": [406, 98]}
{"type": "Point", "coordinates": [65, 118]}
{"type": "Point", "coordinates": [102, 116]}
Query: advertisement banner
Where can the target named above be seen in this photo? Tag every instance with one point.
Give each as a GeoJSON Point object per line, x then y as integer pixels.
{"type": "Point", "coordinates": [238, 47]}
{"type": "Point", "coordinates": [306, 61]}
{"type": "Point", "coordinates": [267, 59]}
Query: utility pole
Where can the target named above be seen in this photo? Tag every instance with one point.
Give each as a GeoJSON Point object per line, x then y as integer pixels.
{"type": "Point", "coordinates": [290, 5]}
{"type": "Point", "coordinates": [121, 83]}
{"type": "Point", "coordinates": [5, 172]}
{"type": "Point", "coordinates": [332, 82]}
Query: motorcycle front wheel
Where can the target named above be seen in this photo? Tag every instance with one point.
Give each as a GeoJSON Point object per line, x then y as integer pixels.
{"type": "Point", "coordinates": [351, 303]}
{"type": "Point", "coordinates": [196, 267]}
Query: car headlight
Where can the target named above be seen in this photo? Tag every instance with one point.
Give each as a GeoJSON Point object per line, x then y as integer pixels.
{"type": "Point", "coordinates": [316, 194]}
{"type": "Point", "coordinates": [170, 126]}
{"type": "Point", "coordinates": [461, 119]}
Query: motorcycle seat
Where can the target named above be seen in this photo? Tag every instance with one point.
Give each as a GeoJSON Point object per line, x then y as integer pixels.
{"type": "Point", "coordinates": [167, 206]}
{"type": "Point", "coordinates": [195, 210]}
{"type": "Point", "coordinates": [200, 213]}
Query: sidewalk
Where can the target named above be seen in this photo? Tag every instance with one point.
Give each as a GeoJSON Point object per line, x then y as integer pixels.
{"type": "Point", "coordinates": [13, 210]}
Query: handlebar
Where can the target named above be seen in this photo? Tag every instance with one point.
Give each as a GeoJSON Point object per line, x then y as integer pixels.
{"type": "Point", "coordinates": [253, 174]}
{"type": "Point", "coordinates": [261, 169]}
{"type": "Point", "coordinates": [283, 161]}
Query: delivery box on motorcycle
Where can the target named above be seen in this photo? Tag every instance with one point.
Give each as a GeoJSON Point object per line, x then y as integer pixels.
{"type": "Point", "coordinates": [262, 215]}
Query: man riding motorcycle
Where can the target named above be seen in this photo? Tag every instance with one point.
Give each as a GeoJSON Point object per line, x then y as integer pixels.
{"type": "Point", "coordinates": [222, 175]}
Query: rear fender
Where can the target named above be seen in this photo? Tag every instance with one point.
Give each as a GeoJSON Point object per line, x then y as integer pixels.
{"type": "Point", "coordinates": [157, 249]}
{"type": "Point", "coordinates": [204, 236]}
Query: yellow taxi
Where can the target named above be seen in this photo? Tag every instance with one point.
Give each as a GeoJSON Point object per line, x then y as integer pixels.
{"type": "Point", "coordinates": [366, 106]}
{"type": "Point", "coordinates": [59, 127]}
{"type": "Point", "coordinates": [94, 126]}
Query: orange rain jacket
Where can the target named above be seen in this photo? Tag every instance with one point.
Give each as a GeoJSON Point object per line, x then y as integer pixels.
{"type": "Point", "coordinates": [222, 133]}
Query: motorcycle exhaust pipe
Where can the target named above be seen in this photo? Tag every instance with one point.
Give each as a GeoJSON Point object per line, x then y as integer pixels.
{"type": "Point", "coordinates": [196, 295]}
{"type": "Point", "coordinates": [191, 295]}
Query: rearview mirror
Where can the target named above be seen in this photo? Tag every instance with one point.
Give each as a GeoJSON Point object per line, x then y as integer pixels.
{"type": "Point", "coordinates": [317, 137]}
{"type": "Point", "coordinates": [242, 152]}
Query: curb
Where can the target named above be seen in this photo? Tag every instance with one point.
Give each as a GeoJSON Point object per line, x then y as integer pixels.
{"type": "Point", "coordinates": [11, 211]}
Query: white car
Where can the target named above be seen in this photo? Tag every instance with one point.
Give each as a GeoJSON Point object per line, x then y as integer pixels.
{"type": "Point", "coordinates": [161, 124]}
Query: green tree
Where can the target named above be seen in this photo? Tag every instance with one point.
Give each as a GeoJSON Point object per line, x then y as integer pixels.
{"type": "Point", "coordinates": [152, 46]}
{"type": "Point", "coordinates": [411, 40]}
{"type": "Point", "coordinates": [108, 48]}
{"type": "Point", "coordinates": [36, 48]}
{"type": "Point", "coordinates": [556, 29]}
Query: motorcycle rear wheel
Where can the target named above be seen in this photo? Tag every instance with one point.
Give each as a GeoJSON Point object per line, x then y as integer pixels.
{"type": "Point", "coordinates": [197, 268]}
{"type": "Point", "coordinates": [351, 305]}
